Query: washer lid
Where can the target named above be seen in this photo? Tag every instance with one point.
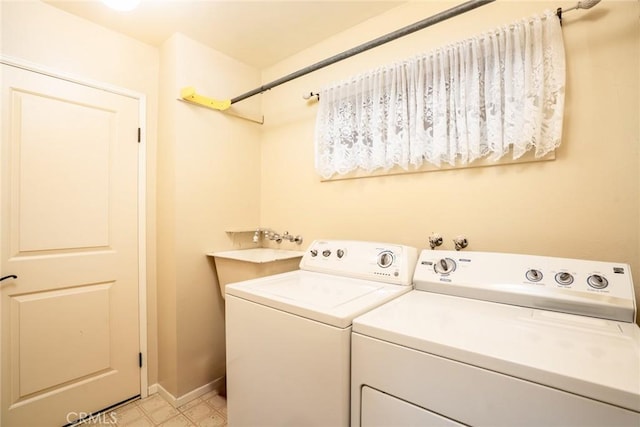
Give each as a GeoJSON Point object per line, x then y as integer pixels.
{"type": "Point", "coordinates": [326, 298]}
{"type": "Point", "coordinates": [595, 358]}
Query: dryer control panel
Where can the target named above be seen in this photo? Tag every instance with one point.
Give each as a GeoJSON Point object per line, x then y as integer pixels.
{"type": "Point", "coordinates": [590, 288]}
{"type": "Point", "coordinates": [382, 262]}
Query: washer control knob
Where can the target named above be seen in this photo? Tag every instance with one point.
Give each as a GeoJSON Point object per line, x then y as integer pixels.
{"type": "Point", "coordinates": [564, 278]}
{"type": "Point", "coordinates": [340, 253]}
{"type": "Point", "coordinates": [326, 253]}
{"type": "Point", "coordinates": [444, 266]}
{"type": "Point", "coordinates": [314, 252]}
{"type": "Point", "coordinates": [534, 275]}
{"type": "Point", "coordinates": [597, 281]}
{"type": "Point", "coordinates": [385, 259]}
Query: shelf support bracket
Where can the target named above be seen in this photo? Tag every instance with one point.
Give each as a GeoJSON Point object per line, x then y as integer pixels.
{"type": "Point", "coordinates": [189, 94]}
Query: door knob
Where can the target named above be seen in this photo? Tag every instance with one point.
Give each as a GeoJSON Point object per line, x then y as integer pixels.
{"type": "Point", "coordinates": [11, 276]}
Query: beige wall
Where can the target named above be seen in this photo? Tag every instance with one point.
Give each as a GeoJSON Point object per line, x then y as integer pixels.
{"type": "Point", "coordinates": [216, 172]}
{"type": "Point", "coordinates": [208, 182]}
{"type": "Point", "coordinates": [48, 37]}
{"type": "Point", "coordinates": [584, 204]}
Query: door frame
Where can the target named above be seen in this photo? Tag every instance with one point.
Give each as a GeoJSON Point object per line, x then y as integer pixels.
{"type": "Point", "coordinates": [142, 191]}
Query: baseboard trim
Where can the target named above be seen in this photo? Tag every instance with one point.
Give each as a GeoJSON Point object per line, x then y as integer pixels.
{"type": "Point", "coordinates": [152, 389]}
{"type": "Point", "coordinates": [215, 385]}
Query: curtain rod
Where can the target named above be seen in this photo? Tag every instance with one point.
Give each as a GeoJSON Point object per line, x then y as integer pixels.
{"type": "Point", "coordinates": [189, 93]}
{"type": "Point", "coordinates": [450, 13]}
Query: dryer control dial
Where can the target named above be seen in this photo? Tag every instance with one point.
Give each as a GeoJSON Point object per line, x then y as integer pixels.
{"type": "Point", "coordinates": [534, 275]}
{"type": "Point", "coordinates": [564, 278]}
{"type": "Point", "coordinates": [597, 281]}
{"type": "Point", "coordinates": [385, 259]}
{"type": "Point", "coordinates": [444, 266]}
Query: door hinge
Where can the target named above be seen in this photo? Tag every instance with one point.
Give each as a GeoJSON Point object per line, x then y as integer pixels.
{"type": "Point", "coordinates": [139, 135]}
{"type": "Point", "coordinates": [140, 359]}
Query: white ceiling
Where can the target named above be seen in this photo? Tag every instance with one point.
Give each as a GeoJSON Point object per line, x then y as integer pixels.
{"type": "Point", "coordinates": [258, 33]}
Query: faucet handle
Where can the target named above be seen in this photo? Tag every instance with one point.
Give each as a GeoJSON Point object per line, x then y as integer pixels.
{"type": "Point", "coordinates": [435, 240]}
{"type": "Point", "coordinates": [460, 242]}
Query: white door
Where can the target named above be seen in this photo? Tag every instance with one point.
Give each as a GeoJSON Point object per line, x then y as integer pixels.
{"type": "Point", "coordinates": [69, 321]}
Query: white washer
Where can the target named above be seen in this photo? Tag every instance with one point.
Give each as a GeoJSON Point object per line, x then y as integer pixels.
{"type": "Point", "coordinates": [288, 335]}
{"type": "Point", "coordinates": [501, 340]}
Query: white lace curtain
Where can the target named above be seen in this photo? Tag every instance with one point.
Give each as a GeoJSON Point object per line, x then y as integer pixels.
{"type": "Point", "coordinates": [483, 97]}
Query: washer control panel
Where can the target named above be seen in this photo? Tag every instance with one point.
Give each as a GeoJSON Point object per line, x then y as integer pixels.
{"type": "Point", "coordinates": [382, 262]}
{"type": "Point", "coordinates": [591, 288]}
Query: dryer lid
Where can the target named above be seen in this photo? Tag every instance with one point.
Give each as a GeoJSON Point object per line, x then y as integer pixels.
{"type": "Point", "coordinates": [591, 357]}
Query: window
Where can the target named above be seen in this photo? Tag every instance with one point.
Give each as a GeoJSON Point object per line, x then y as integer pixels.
{"type": "Point", "coordinates": [480, 99]}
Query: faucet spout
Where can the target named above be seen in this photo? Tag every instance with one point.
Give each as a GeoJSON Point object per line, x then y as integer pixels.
{"type": "Point", "coordinates": [272, 235]}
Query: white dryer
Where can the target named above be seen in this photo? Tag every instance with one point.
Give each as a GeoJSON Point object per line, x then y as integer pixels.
{"type": "Point", "coordinates": [490, 339]}
{"type": "Point", "coordinates": [288, 336]}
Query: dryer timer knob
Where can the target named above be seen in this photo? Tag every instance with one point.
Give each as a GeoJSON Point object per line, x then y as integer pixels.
{"type": "Point", "coordinates": [597, 281]}
{"type": "Point", "coordinates": [534, 275]}
{"type": "Point", "coordinates": [444, 266]}
{"type": "Point", "coordinates": [385, 259]}
{"type": "Point", "coordinates": [564, 278]}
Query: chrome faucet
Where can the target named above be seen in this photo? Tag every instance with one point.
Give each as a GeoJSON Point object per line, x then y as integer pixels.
{"type": "Point", "coordinates": [267, 233]}
{"type": "Point", "coordinates": [292, 238]}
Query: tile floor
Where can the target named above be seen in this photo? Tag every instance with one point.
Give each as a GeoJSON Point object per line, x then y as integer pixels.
{"type": "Point", "coordinates": [208, 410]}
